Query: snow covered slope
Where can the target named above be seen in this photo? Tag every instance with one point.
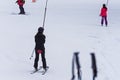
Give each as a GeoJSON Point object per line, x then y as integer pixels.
{"type": "Point", "coordinates": [71, 25]}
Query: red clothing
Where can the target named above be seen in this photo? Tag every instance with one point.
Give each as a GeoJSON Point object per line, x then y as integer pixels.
{"type": "Point", "coordinates": [20, 2]}
{"type": "Point", "coordinates": [103, 12]}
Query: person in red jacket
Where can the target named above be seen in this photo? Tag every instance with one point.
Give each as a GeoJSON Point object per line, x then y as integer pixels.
{"type": "Point", "coordinates": [21, 3]}
{"type": "Point", "coordinates": [103, 14]}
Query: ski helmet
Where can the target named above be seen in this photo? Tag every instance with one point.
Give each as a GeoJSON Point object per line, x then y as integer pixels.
{"type": "Point", "coordinates": [40, 29]}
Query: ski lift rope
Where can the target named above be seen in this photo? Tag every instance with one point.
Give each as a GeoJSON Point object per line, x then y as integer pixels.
{"type": "Point", "coordinates": [45, 14]}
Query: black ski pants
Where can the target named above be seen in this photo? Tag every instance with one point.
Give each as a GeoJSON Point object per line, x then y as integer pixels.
{"type": "Point", "coordinates": [37, 59]}
{"type": "Point", "coordinates": [94, 74]}
{"type": "Point", "coordinates": [21, 10]}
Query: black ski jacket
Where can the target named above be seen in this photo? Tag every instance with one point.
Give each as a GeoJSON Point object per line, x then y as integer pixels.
{"type": "Point", "coordinates": [39, 41]}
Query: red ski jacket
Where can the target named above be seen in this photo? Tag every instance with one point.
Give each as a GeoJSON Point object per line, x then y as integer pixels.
{"type": "Point", "coordinates": [103, 12]}
{"type": "Point", "coordinates": [20, 2]}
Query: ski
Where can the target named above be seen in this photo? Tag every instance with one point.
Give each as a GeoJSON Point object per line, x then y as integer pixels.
{"type": "Point", "coordinates": [43, 72]}
{"type": "Point", "coordinates": [19, 14]}
{"type": "Point", "coordinates": [36, 70]}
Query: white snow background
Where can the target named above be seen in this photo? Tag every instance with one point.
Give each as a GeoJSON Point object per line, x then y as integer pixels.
{"type": "Point", "coordinates": [71, 25]}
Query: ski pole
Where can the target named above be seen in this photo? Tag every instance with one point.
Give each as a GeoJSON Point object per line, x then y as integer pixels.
{"type": "Point", "coordinates": [32, 54]}
{"type": "Point", "coordinates": [45, 14]}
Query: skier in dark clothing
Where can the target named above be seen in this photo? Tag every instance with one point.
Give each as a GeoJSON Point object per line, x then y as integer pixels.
{"type": "Point", "coordinates": [75, 60]}
{"type": "Point", "coordinates": [94, 67]}
{"type": "Point", "coordinates": [39, 48]}
{"type": "Point", "coordinates": [21, 3]}
{"type": "Point", "coordinates": [103, 14]}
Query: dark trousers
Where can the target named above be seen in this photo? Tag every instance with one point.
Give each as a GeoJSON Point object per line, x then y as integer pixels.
{"type": "Point", "coordinates": [94, 77]}
{"type": "Point", "coordinates": [21, 10]}
{"type": "Point", "coordinates": [37, 59]}
{"type": "Point", "coordinates": [76, 61]}
{"type": "Point", "coordinates": [94, 74]}
{"type": "Point", "coordinates": [104, 19]}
